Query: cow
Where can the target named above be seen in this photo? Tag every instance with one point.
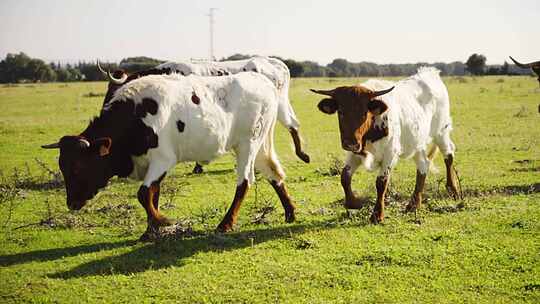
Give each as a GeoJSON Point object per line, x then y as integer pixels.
{"type": "Point", "coordinates": [157, 121]}
{"type": "Point", "coordinates": [381, 121]}
{"type": "Point", "coordinates": [534, 66]}
{"type": "Point", "coordinates": [272, 68]}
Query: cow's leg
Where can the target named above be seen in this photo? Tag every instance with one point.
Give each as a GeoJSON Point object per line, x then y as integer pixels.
{"type": "Point", "coordinates": [155, 199]}
{"type": "Point", "coordinates": [298, 145]}
{"type": "Point", "coordinates": [287, 118]}
{"type": "Point", "coordinates": [451, 179]}
{"type": "Point", "coordinates": [245, 160]}
{"type": "Point", "coordinates": [351, 164]}
{"type": "Point", "coordinates": [268, 164]}
{"type": "Point", "coordinates": [232, 214]}
{"type": "Point", "coordinates": [198, 169]}
{"type": "Point", "coordinates": [378, 212]}
{"type": "Point", "coordinates": [447, 148]}
{"type": "Point", "coordinates": [148, 196]}
{"type": "Point", "coordinates": [422, 167]}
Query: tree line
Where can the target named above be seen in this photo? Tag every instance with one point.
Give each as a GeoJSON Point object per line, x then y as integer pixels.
{"type": "Point", "coordinates": [17, 68]}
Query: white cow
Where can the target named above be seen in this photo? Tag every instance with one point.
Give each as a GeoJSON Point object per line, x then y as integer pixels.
{"type": "Point", "coordinates": [156, 121]}
{"type": "Point", "coordinates": [378, 125]}
{"type": "Point", "coordinates": [272, 68]}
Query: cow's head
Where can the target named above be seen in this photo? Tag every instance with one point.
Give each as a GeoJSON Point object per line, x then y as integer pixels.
{"type": "Point", "coordinates": [85, 165]}
{"type": "Point", "coordinates": [357, 107]}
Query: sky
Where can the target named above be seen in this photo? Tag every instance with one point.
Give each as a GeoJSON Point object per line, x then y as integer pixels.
{"type": "Point", "coordinates": [378, 31]}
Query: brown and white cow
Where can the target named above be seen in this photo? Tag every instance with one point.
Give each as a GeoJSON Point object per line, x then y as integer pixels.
{"type": "Point", "coordinates": [381, 121]}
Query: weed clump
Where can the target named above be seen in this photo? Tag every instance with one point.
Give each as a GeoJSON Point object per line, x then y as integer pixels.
{"type": "Point", "coordinates": [93, 94]}
{"type": "Point", "coordinates": [335, 165]}
{"type": "Point", "coordinates": [523, 112]}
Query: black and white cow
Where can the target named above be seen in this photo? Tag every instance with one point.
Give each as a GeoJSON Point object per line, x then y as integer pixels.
{"type": "Point", "coordinates": [156, 121]}
{"type": "Point", "coordinates": [274, 69]}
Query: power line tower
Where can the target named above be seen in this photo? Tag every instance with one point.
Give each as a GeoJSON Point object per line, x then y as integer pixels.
{"type": "Point", "coordinates": [211, 16]}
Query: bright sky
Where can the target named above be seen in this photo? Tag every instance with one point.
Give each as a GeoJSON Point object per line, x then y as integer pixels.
{"type": "Point", "coordinates": [380, 31]}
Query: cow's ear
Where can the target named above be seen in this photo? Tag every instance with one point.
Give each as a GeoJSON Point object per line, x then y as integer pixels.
{"type": "Point", "coordinates": [103, 145]}
{"type": "Point", "coordinates": [377, 107]}
{"type": "Point", "coordinates": [328, 106]}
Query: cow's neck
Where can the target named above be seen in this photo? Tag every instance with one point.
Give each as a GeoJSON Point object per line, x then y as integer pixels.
{"type": "Point", "coordinates": [116, 124]}
{"type": "Point", "coordinates": [129, 135]}
{"type": "Point", "coordinates": [112, 123]}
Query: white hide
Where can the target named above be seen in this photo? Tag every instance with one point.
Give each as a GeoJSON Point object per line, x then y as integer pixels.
{"type": "Point", "coordinates": [234, 113]}
{"type": "Point", "coordinates": [418, 114]}
{"type": "Point", "coordinates": [274, 69]}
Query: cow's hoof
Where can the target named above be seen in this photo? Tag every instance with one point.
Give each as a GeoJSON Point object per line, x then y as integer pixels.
{"type": "Point", "coordinates": [145, 237]}
{"type": "Point", "coordinates": [198, 169]}
{"type": "Point", "coordinates": [303, 156]}
{"type": "Point", "coordinates": [453, 191]}
{"type": "Point", "coordinates": [224, 227]}
{"type": "Point", "coordinates": [290, 217]}
{"type": "Point", "coordinates": [162, 222]}
{"type": "Point", "coordinates": [376, 218]}
{"type": "Point", "coordinates": [411, 207]}
{"type": "Point", "coordinates": [355, 202]}
{"type": "Point", "coordinates": [149, 235]}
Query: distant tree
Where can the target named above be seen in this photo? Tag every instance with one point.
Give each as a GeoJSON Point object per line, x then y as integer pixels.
{"type": "Point", "coordinates": [236, 57]}
{"type": "Point", "coordinates": [340, 66]}
{"type": "Point", "coordinates": [505, 69]}
{"type": "Point", "coordinates": [12, 67]}
{"type": "Point", "coordinates": [140, 63]}
{"type": "Point", "coordinates": [476, 64]}
{"type": "Point", "coordinates": [313, 69]}
{"type": "Point", "coordinates": [21, 68]}
{"type": "Point", "coordinates": [295, 67]}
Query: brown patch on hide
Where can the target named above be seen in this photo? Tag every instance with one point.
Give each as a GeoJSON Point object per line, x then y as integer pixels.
{"type": "Point", "coordinates": [195, 99]}
{"type": "Point", "coordinates": [361, 133]}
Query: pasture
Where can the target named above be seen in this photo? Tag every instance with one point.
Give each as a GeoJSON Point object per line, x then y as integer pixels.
{"type": "Point", "coordinates": [483, 249]}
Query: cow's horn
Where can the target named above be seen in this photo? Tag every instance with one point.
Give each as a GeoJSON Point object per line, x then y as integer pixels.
{"type": "Point", "coordinates": [100, 68]}
{"type": "Point", "coordinates": [323, 92]}
{"type": "Point", "coordinates": [85, 142]}
{"type": "Point", "coordinates": [379, 93]}
{"type": "Point", "coordinates": [525, 65]}
{"type": "Point", "coordinates": [51, 146]}
{"type": "Point", "coordinates": [117, 81]}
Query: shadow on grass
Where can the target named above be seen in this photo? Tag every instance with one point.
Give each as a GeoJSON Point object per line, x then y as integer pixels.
{"type": "Point", "coordinates": [58, 253]}
{"type": "Point", "coordinates": [146, 256]}
{"type": "Point", "coordinates": [526, 189]}
{"type": "Point", "coordinates": [213, 172]}
{"type": "Point", "coordinates": [164, 254]}
{"type": "Point", "coordinates": [38, 185]}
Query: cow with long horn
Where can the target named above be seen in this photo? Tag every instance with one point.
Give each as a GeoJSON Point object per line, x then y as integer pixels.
{"type": "Point", "coordinates": [154, 122]}
{"type": "Point", "coordinates": [534, 66]}
{"type": "Point", "coordinates": [380, 121]}
{"type": "Point", "coordinates": [274, 69]}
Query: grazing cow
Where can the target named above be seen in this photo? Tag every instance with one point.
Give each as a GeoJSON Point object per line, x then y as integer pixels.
{"type": "Point", "coordinates": [274, 69]}
{"type": "Point", "coordinates": [534, 66]}
{"type": "Point", "coordinates": [381, 121]}
{"type": "Point", "coordinates": [156, 121]}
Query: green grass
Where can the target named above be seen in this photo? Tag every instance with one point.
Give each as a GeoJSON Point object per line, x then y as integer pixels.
{"type": "Point", "coordinates": [485, 249]}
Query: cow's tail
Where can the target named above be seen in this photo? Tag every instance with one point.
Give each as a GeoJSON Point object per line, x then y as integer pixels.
{"type": "Point", "coordinates": [432, 153]}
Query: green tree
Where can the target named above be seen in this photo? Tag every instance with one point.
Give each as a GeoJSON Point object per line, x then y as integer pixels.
{"type": "Point", "coordinates": [295, 67]}
{"type": "Point", "coordinates": [476, 64]}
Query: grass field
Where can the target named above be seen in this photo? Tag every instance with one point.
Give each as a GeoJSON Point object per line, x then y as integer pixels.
{"type": "Point", "coordinates": [484, 249]}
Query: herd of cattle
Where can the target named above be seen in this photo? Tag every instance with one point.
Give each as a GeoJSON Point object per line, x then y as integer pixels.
{"type": "Point", "coordinates": [178, 112]}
